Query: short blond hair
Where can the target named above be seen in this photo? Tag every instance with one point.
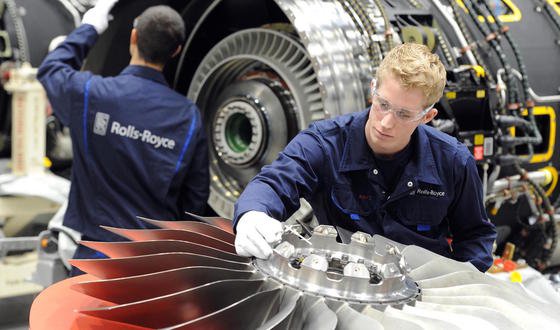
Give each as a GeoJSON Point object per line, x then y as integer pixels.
{"type": "Point", "coordinates": [414, 66]}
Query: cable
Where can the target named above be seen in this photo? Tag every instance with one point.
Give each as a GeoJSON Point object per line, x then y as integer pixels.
{"type": "Point", "coordinates": [474, 10]}
{"type": "Point", "coordinates": [21, 36]}
{"type": "Point", "coordinates": [470, 40]}
{"type": "Point", "coordinates": [365, 26]}
{"type": "Point", "coordinates": [551, 14]}
{"type": "Point", "coordinates": [72, 10]}
{"type": "Point", "coordinates": [545, 222]}
{"type": "Point", "coordinates": [65, 232]}
{"type": "Point", "coordinates": [388, 27]}
{"type": "Point", "coordinates": [492, 34]}
{"type": "Point", "coordinates": [524, 79]}
{"type": "Point", "coordinates": [473, 46]}
{"type": "Point", "coordinates": [458, 27]}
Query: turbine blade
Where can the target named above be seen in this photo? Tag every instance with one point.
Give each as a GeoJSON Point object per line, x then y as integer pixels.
{"type": "Point", "coordinates": [222, 223]}
{"type": "Point", "coordinates": [350, 319]}
{"type": "Point", "coordinates": [130, 289]}
{"type": "Point", "coordinates": [248, 313]}
{"type": "Point", "coordinates": [438, 267]}
{"type": "Point", "coordinates": [313, 313]}
{"type": "Point", "coordinates": [461, 321]}
{"type": "Point", "coordinates": [139, 248]}
{"type": "Point", "coordinates": [199, 227]}
{"type": "Point", "coordinates": [390, 322]}
{"type": "Point", "coordinates": [519, 315]}
{"type": "Point", "coordinates": [181, 307]}
{"type": "Point", "coordinates": [181, 235]}
{"type": "Point", "coordinates": [131, 266]}
{"type": "Point", "coordinates": [282, 317]}
{"type": "Point", "coordinates": [421, 320]}
{"type": "Point", "coordinates": [496, 318]}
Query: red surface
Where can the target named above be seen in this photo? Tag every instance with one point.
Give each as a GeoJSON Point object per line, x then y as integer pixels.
{"type": "Point", "coordinates": [57, 308]}
{"type": "Point", "coordinates": [478, 152]}
{"type": "Point", "coordinates": [509, 265]}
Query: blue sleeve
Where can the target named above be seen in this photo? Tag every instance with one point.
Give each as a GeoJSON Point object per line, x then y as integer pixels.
{"type": "Point", "coordinates": [196, 184]}
{"type": "Point", "coordinates": [473, 234]}
{"type": "Point", "coordinates": [59, 73]}
{"type": "Point", "coordinates": [295, 174]}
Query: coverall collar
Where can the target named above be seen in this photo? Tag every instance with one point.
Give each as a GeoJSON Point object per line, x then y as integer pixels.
{"type": "Point", "coordinates": [145, 72]}
{"type": "Point", "coordinates": [358, 156]}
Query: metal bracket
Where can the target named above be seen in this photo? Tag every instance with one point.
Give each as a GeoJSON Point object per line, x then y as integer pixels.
{"type": "Point", "coordinates": [8, 244]}
{"type": "Point", "coordinates": [7, 51]}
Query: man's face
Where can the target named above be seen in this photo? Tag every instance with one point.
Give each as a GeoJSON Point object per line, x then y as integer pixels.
{"type": "Point", "coordinates": [395, 113]}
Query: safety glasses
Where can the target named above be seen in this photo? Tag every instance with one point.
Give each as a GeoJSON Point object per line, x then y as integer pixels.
{"type": "Point", "coordinates": [383, 107]}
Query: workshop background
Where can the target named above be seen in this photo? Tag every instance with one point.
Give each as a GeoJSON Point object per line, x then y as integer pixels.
{"type": "Point", "coordinates": [261, 71]}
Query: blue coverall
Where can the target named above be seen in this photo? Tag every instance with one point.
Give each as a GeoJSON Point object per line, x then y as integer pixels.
{"type": "Point", "coordinates": [139, 147]}
{"type": "Point", "coordinates": [331, 165]}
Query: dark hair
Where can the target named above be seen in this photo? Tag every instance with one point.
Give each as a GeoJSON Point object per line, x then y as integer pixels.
{"type": "Point", "coordinates": [160, 31]}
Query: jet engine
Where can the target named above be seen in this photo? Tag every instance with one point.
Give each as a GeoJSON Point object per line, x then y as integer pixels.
{"type": "Point", "coordinates": [262, 70]}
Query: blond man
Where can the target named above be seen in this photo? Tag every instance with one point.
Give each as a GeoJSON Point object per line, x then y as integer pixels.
{"type": "Point", "coordinates": [380, 171]}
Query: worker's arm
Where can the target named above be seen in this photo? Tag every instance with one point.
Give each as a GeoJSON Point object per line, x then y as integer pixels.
{"type": "Point", "coordinates": [295, 174]}
{"type": "Point", "coordinates": [473, 233]}
{"type": "Point", "coordinates": [196, 183]}
{"type": "Point", "coordinates": [59, 73]}
{"type": "Point", "coordinates": [275, 192]}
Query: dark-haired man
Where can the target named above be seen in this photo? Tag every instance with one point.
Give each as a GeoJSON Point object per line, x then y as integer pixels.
{"type": "Point", "coordinates": [139, 147]}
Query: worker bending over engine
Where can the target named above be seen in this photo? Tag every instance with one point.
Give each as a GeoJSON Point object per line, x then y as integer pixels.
{"type": "Point", "coordinates": [379, 171]}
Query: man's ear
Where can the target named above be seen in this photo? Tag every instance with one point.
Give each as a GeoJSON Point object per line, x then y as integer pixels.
{"type": "Point", "coordinates": [133, 37]}
{"type": "Point", "coordinates": [177, 51]}
{"type": "Point", "coordinates": [372, 86]}
{"type": "Point", "coordinates": [429, 116]}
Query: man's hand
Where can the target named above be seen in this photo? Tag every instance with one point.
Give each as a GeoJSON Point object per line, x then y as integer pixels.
{"type": "Point", "coordinates": [98, 16]}
{"type": "Point", "coordinates": [255, 232]}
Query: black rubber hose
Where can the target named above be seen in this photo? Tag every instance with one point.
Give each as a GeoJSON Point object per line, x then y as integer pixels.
{"type": "Point", "coordinates": [474, 10]}
{"type": "Point", "coordinates": [522, 70]}
{"type": "Point", "coordinates": [459, 19]}
{"type": "Point", "coordinates": [550, 225]}
{"type": "Point", "coordinates": [551, 14]}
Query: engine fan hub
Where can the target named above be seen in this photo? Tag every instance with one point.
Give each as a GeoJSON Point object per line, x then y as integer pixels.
{"type": "Point", "coordinates": [240, 131]}
{"type": "Point", "coordinates": [258, 88]}
{"type": "Point", "coordinates": [368, 270]}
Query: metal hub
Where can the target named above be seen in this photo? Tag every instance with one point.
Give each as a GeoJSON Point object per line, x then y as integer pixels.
{"type": "Point", "coordinates": [257, 89]}
{"type": "Point", "coordinates": [239, 131]}
{"type": "Point", "coordinates": [366, 271]}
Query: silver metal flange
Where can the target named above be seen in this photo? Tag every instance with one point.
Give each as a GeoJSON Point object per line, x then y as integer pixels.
{"type": "Point", "coordinates": [368, 270]}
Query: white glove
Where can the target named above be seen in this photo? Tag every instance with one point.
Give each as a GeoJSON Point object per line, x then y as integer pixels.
{"type": "Point", "coordinates": [98, 16]}
{"type": "Point", "coordinates": [255, 232]}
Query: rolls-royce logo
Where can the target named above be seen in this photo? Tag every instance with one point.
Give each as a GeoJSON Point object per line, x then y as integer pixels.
{"type": "Point", "coordinates": [101, 123]}
{"type": "Point", "coordinates": [430, 192]}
